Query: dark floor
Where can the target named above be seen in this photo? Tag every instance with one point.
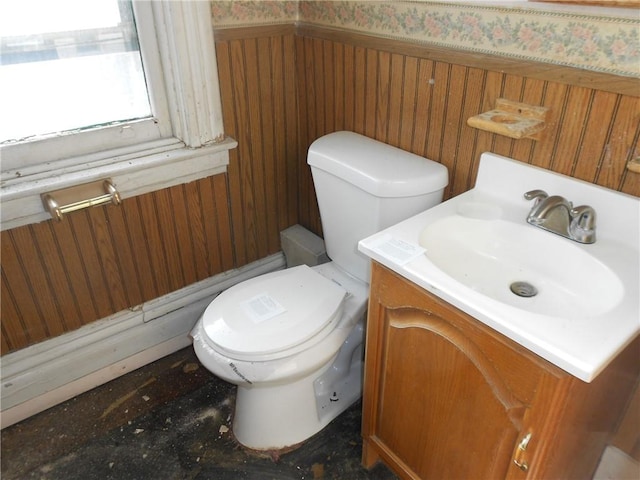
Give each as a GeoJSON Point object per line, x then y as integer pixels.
{"type": "Point", "coordinates": [168, 420]}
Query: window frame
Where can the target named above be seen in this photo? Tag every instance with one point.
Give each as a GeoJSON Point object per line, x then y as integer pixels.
{"type": "Point", "coordinates": [185, 135]}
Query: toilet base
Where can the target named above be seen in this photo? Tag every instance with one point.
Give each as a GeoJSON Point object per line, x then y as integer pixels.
{"type": "Point", "coordinates": [275, 417]}
{"type": "Point", "coordinates": [341, 385]}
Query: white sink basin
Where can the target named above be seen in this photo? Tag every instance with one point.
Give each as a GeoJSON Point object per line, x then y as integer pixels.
{"type": "Point", "coordinates": [470, 249]}
{"type": "Point", "coordinates": [521, 266]}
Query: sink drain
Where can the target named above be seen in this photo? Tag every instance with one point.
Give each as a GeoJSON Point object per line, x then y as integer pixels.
{"type": "Point", "coordinates": [523, 289]}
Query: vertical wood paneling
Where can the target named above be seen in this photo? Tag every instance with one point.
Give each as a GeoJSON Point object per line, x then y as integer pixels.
{"type": "Point", "coordinates": [572, 130]}
{"type": "Point", "coordinates": [396, 73]}
{"type": "Point", "coordinates": [410, 81]}
{"type": "Point", "coordinates": [597, 127]}
{"type": "Point", "coordinates": [278, 171]}
{"type": "Point", "coordinates": [134, 222]}
{"type": "Point", "coordinates": [533, 94]}
{"type": "Point", "coordinates": [224, 239]}
{"type": "Point", "coordinates": [54, 263]}
{"type": "Point", "coordinates": [466, 140]}
{"type": "Point", "coordinates": [370, 91]}
{"type": "Point", "coordinates": [111, 273]}
{"type": "Point", "coordinates": [168, 248]}
{"type": "Point", "coordinates": [14, 333]}
{"type": "Point", "coordinates": [254, 170]}
{"type": "Point", "coordinates": [17, 299]}
{"type": "Point", "coordinates": [198, 213]}
{"type": "Point", "coordinates": [328, 65]}
{"type": "Point", "coordinates": [268, 231]}
{"type": "Point", "coordinates": [320, 99]}
{"type": "Point", "coordinates": [511, 88]}
{"type": "Point", "coordinates": [259, 75]}
{"type": "Point", "coordinates": [339, 86]}
{"type": "Point", "coordinates": [239, 171]}
{"type": "Point", "coordinates": [308, 101]}
{"type": "Point", "coordinates": [183, 235]}
{"type": "Point", "coordinates": [622, 145]}
{"type": "Point", "coordinates": [311, 85]}
{"type": "Point", "coordinates": [289, 136]}
{"type": "Point", "coordinates": [554, 99]}
{"type": "Point", "coordinates": [453, 121]}
{"type": "Point", "coordinates": [303, 76]}
{"type": "Point", "coordinates": [213, 253]}
{"type": "Point", "coordinates": [57, 277]}
{"type": "Point", "coordinates": [84, 239]}
{"type": "Point", "coordinates": [382, 101]}
{"type": "Point", "coordinates": [491, 91]}
{"type": "Point", "coordinates": [129, 267]}
{"type": "Point", "coordinates": [153, 243]}
{"type": "Point", "coordinates": [437, 113]}
{"type": "Point", "coordinates": [350, 86]}
{"type": "Point", "coordinates": [38, 282]}
{"type": "Point", "coordinates": [422, 106]}
{"type": "Point", "coordinates": [360, 86]}
{"type": "Point", "coordinates": [630, 183]}
{"type": "Point", "coordinates": [74, 269]}
{"type": "Point", "coordinates": [5, 346]}
{"type": "Point", "coordinates": [232, 119]}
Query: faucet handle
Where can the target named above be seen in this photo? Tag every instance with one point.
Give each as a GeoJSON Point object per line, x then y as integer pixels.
{"type": "Point", "coordinates": [584, 216]}
{"type": "Point", "coordinates": [536, 195]}
{"type": "Point", "coordinates": [583, 224]}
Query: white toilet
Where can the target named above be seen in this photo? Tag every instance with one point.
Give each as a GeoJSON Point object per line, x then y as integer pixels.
{"type": "Point", "coordinates": [292, 340]}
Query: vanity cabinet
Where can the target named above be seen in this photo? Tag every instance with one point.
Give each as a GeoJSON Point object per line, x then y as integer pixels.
{"type": "Point", "coordinates": [446, 397]}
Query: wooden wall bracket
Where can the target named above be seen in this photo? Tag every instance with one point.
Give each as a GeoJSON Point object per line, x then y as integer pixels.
{"type": "Point", "coordinates": [512, 119]}
{"type": "Point", "coordinates": [634, 165]}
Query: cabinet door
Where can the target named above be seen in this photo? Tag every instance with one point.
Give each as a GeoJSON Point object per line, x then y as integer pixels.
{"type": "Point", "coordinates": [462, 421]}
{"type": "Point", "coordinates": [443, 398]}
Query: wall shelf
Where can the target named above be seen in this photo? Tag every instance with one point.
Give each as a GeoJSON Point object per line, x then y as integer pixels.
{"type": "Point", "coordinates": [512, 119]}
{"type": "Point", "coordinates": [634, 165]}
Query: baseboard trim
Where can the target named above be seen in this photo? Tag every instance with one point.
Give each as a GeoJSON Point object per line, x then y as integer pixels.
{"type": "Point", "coordinates": [48, 373]}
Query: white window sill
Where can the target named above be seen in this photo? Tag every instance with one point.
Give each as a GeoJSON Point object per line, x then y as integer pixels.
{"type": "Point", "coordinates": [159, 164]}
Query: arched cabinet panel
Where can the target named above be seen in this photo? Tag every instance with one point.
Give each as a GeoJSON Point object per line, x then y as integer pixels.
{"type": "Point", "coordinates": [422, 346]}
{"type": "Point", "coordinates": [447, 397]}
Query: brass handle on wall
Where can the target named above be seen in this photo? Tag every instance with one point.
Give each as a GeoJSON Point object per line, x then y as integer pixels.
{"type": "Point", "coordinates": [75, 198]}
{"type": "Point", "coordinates": [519, 457]}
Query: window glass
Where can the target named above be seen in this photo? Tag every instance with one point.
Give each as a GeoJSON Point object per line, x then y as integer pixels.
{"type": "Point", "coordinates": [68, 65]}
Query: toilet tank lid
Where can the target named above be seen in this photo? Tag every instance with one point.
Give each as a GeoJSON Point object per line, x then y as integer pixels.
{"type": "Point", "coordinates": [376, 167]}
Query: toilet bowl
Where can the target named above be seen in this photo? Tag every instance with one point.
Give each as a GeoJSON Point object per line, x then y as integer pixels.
{"type": "Point", "coordinates": [292, 340]}
{"type": "Point", "coordinates": [278, 337]}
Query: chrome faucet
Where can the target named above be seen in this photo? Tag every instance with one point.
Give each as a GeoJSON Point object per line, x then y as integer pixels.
{"type": "Point", "coordinates": [558, 215]}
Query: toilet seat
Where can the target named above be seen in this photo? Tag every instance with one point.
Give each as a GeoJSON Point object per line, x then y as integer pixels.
{"type": "Point", "coordinates": [273, 315]}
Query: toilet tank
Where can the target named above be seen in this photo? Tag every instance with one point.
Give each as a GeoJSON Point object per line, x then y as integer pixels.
{"type": "Point", "coordinates": [363, 186]}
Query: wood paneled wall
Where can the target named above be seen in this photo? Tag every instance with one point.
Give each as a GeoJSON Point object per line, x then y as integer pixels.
{"type": "Point", "coordinates": [281, 90]}
{"type": "Point", "coordinates": [419, 104]}
{"type": "Point", "coordinates": [58, 276]}
{"type": "Point", "coordinates": [258, 88]}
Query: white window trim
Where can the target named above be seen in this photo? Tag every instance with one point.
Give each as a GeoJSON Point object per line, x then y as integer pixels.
{"type": "Point", "coordinates": [194, 145]}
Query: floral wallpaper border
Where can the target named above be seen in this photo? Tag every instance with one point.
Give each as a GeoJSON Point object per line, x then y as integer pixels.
{"type": "Point", "coordinates": [239, 13]}
{"type": "Point", "coordinates": [605, 43]}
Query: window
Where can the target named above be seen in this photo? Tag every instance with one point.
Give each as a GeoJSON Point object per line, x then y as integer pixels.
{"type": "Point", "coordinates": [131, 95]}
{"type": "Point", "coordinates": [75, 66]}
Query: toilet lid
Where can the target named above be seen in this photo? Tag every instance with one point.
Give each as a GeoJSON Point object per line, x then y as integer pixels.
{"type": "Point", "coordinates": [272, 313]}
